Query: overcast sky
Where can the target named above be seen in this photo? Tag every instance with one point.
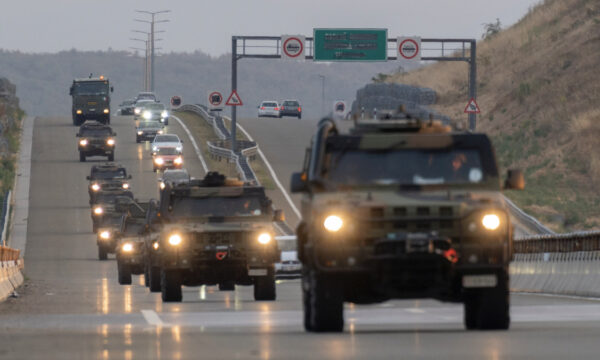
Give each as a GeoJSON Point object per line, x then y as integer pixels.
{"type": "Point", "coordinates": [207, 25]}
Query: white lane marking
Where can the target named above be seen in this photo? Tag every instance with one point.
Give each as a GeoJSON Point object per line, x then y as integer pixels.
{"type": "Point", "coordinates": [189, 133]}
{"type": "Point", "coordinates": [560, 296]}
{"type": "Point", "coordinates": [415, 311]}
{"type": "Point", "coordinates": [264, 158]}
{"type": "Point", "coordinates": [152, 318]}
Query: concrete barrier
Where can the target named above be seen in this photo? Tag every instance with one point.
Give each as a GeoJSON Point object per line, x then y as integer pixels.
{"type": "Point", "coordinates": [10, 271]}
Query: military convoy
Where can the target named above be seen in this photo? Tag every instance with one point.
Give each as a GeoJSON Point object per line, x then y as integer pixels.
{"type": "Point", "coordinates": [400, 209]}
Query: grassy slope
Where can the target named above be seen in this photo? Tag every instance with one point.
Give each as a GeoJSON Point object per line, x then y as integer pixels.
{"type": "Point", "coordinates": [539, 91]}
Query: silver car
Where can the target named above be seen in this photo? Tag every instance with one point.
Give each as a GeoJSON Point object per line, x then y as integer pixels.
{"type": "Point", "coordinates": [167, 140]}
{"type": "Point", "coordinates": [269, 108]}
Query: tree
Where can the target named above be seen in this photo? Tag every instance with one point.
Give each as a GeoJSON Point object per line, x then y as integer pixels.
{"type": "Point", "coordinates": [491, 29]}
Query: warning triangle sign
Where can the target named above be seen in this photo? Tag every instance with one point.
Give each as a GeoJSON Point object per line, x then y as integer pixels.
{"type": "Point", "coordinates": [472, 107]}
{"type": "Point", "coordinates": [234, 99]}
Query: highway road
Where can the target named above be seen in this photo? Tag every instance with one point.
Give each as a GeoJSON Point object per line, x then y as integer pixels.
{"type": "Point", "coordinates": [73, 308]}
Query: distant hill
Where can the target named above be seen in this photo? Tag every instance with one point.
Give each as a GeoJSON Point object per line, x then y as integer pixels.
{"type": "Point", "coordinates": [43, 80]}
{"type": "Point", "coordinates": [539, 90]}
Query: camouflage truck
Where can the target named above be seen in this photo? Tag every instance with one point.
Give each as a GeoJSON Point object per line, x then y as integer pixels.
{"type": "Point", "coordinates": [91, 100]}
{"type": "Point", "coordinates": [216, 231]}
{"type": "Point", "coordinates": [403, 209]}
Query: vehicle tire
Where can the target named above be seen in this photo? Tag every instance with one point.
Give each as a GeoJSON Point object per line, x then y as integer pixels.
{"type": "Point", "coordinates": [226, 286]}
{"type": "Point", "coordinates": [154, 279]}
{"type": "Point", "coordinates": [137, 140]}
{"type": "Point", "coordinates": [488, 309]}
{"type": "Point", "coordinates": [124, 273]}
{"type": "Point", "coordinates": [81, 157]}
{"type": "Point", "coordinates": [111, 157]}
{"type": "Point", "coordinates": [170, 285]}
{"type": "Point", "coordinates": [326, 304]}
{"type": "Point", "coordinates": [299, 116]}
{"type": "Point", "coordinates": [306, 300]}
{"type": "Point", "coordinates": [146, 276]}
{"type": "Point", "coordinates": [264, 286]}
{"type": "Point", "coordinates": [102, 253]}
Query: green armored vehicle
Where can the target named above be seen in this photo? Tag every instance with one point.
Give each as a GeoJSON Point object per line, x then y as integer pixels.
{"type": "Point", "coordinates": [96, 139]}
{"type": "Point", "coordinates": [402, 209]}
{"type": "Point", "coordinates": [130, 246]}
{"type": "Point", "coordinates": [215, 231]}
{"type": "Point", "coordinates": [91, 100]}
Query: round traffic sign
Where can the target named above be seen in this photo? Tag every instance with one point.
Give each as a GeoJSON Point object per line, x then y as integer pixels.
{"type": "Point", "coordinates": [215, 98]}
{"type": "Point", "coordinates": [176, 101]}
{"type": "Point", "coordinates": [408, 48]}
{"type": "Point", "coordinates": [293, 47]}
{"type": "Point", "coordinates": [340, 107]}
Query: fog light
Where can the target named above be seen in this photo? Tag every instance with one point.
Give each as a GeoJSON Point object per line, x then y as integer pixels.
{"type": "Point", "coordinates": [333, 223]}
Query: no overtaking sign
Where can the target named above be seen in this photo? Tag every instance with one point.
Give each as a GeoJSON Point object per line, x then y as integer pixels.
{"type": "Point", "coordinates": [409, 48]}
{"type": "Point", "coordinates": [292, 47]}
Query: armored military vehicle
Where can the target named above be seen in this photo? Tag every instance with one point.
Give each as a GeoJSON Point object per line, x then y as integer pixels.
{"type": "Point", "coordinates": [107, 176]}
{"type": "Point", "coordinates": [96, 139]}
{"type": "Point", "coordinates": [216, 231]}
{"type": "Point", "coordinates": [91, 100]}
{"type": "Point", "coordinates": [129, 248]}
{"type": "Point", "coordinates": [401, 208]}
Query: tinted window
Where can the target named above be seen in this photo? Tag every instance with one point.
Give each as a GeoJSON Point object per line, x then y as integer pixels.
{"type": "Point", "coordinates": [166, 138]}
{"type": "Point", "coordinates": [150, 125]}
{"type": "Point", "coordinates": [175, 175]}
{"type": "Point", "coordinates": [154, 106]}
{"type": "Point", "coordinates": [291, 103]}
{"type": "Point", "coordinates": [167, 151]}
{"type": "Point", "coordinates": [110, 174]}
{"type": "Point", "coordinates": [96, 132]}
{"type": "Point", "coordinates": [269, 104]}
{"type": "Point", "coordinates": [217, 206]}
{"type": "Point", "coordinates": [90, 88]}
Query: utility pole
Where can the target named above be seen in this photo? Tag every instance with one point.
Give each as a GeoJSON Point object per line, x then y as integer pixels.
{"type": "Point", "coordinates": [152, 38]}
{"type": "Point", "coordinates": [322, 94]}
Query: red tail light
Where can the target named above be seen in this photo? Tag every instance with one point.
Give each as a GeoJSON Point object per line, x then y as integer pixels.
{"type": "Point", "coordinates": [299, 109]}
{"type": "Point", "coordinates": [262, 108]}
{"type": "Point", "coordinates": [282, 108]}
{"type": "Point", "coordinates": [276, 109]}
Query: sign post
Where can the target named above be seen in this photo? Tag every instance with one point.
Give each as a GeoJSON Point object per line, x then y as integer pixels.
{"type": "Point", "coordinates": [234, 100]}
{"type": "Point", "coordinates": [350, 44]}
{"type": "Point", "coordinates": [292, 47]}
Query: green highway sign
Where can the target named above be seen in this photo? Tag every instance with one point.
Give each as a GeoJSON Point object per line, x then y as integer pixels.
{"type": "Point", "coordinates": [350, 44]}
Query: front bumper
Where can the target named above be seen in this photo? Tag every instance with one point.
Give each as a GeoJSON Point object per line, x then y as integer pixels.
{"type": "Point", "coordinates": [90, 150]}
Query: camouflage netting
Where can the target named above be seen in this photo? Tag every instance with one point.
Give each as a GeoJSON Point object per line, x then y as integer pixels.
{"type": "Point", "coordinates": [389, 97]}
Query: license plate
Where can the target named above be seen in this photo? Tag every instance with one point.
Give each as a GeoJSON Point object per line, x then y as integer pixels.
{"type": "Point", "coordinates": [479, 281]}
{"type": "Point", "coordinates": [257, 272]}
{"type": "Point", "coordinates": [290, 267]}
{"type": "Point", "coordinates": [92, 103]}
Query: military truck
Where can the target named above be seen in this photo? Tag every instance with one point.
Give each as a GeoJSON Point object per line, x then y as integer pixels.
{"type": "Point", "coordinates": [400, 209]}
{"type": "Point", "coordinates": [107, 176]}
{"type": "Point", "coordinates": [129, 248]}
{"type": "Point", "coordinates": [96, 139]}
{"type": "Point", "coordinates": [91, 100]}
{"type": "Point", "coordinates": [109, 202]}
{"type": "Point", "coordinates": [216, 231]}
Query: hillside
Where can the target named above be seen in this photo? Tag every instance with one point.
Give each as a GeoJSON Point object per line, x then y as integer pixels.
{"type": "Point", "coordinates": [538, 90]}
{"type": "Point", "coordinates": [43, 80]}
{"type": "Point", "coordinates": [10, 126]}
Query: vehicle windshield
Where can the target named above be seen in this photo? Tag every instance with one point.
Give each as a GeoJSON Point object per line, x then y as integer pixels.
{"type": "Point", "coordinates": [166, 138]}
{"type": "Point", "coordinates": [109, 174]}
{"type": "Point", "coordinates": [90, 88]}
{"type": "Point", "coordinates": [269, 104]}
{"type": "Point", "coordinates": [111, 198]}
{"type": "Point", "coordinates": [96, 132]}
{"type": "Point", "coordinates": [112, 220]}
{"type": "Point", "coordinates": [154, 106]}
{"type": "Point", "coordinates": [405, 167]}
{"type": "Point", "coordinates": [175, 175]}
{"type": "Point", "coordinates": [146, 96]}
{"type": "Point", "coordinates": [291, 103]}
{"type": "Point", "coordinates": [151, 125]}
{"type": "Point", "coordinates": [127, 102]}
{"type": "Point", "coordinates": [184, 207]}
{"type": "Point", "coordinates": [167, 151]}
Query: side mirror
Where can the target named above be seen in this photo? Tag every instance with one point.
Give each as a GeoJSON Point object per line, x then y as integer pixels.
{"type": "Point", "coordinates": [77, 135]}
{"type": "Point", "coordinates": [129, 177]}
{"type": "Point", "coordinates": [88, 178]}
{"type": "Point", "coordinates": [112, 89]}
{"type": "Point", "coordinates": [514, 180]}
{"type": "Point", "coordinates": [278, 216]}
{"type": "Point", "coordinates": [114, 134]}
{"type": "Point", "coordinates": [298, 183]}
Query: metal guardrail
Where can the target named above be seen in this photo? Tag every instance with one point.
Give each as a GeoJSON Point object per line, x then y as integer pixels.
{"type": "Point", "coordinates": [5, 216]}
{"type": "Point", "coordinates": [527, 219]}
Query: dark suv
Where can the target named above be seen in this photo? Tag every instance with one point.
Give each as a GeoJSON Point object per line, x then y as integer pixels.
{"type": "Point", "coordinates": [107, 176]}
{"type": "Point", "coordinates": [290, 108]}
{"type": "Point", "coordinates": [96, 139]}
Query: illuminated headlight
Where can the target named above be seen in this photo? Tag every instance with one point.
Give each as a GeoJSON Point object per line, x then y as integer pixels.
{"type": "Point", "coordinates": [161, 185]}
{"type": "Point", "coordinates": [159, 132]}
{"type": "Point", "coordinates": [98, 211]}
{"type": "Point", "coordinates": [164, 114]}
{"type": "Point", "coordinates": [105, 235]}
{"type": "Point", "coordinates": [79, 112]}
{"type": "Point", "coordinates": [125, 185]}
{"type": "Point", "coordinates": [127, 247]}
{"type": "Point", "coordinates": [333, 223]}
{"type": "Point", "coordinates": [137, 111]}
{"type": "Point", "coordinates": [110, 141]}
{"type": "Point", "coordinates": [106, 111]}
{"type": "Point", "coordinates": [159, 161]}
{"type": "Point", "coordinates": [178, 160]}
{"type": "Point", "coordinates": [154, 148]}
{"type": "Point", "coordinates": [147, 115]}
{"type": "Point", "coordinates": [265, 238]}
{"type": "Point", "coordinates": [155, 245]}
{"type": "Point", "coordinates": [490, 221]}
{"type": "Point", "coordinates": [95, 187]}
{"type": "Point", "coordinates": [179, 148]}
{"type": "Point", "coordinates": [83, 142]}
{"type": "Point", "coordinates": [175, 239]}
{"type": "Point", "coordinates": [140, 132]}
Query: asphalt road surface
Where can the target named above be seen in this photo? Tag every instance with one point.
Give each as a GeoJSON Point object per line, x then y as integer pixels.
{"type": "Point", "coordinates": [73, 308]}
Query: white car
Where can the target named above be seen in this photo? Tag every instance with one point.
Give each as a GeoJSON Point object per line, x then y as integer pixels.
{"type": "Point", "coordinates": [289, 266]}
{"type": "Point", "coordinates": [139, 106]}
{"type": "Point", "coordinates": [167, 140]}
{"type": "Point", "coordinates": [269, 108]}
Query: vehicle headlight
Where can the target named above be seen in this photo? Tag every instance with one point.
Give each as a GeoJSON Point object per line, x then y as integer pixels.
{"type": "Point", "coordinates": [105, 235]}
{"type": "Point", "coordinates": [125, 185]}
{"type": "Point", "coordinates": [333, 223]}
{"type": "Point", "coordinates": [147, 115]}
{"type": "Point", "coordinates": [178, 160]}
{"type": "Point", "coordinates": [159, 132]}
{"type": "Point", "coordinates": [175, 239]}
{"type": "Point", "coordinates": [137, 111]}
{"type": "Point", "coordinates": [106, 111]}
{"type": "Point", "coordinates": [155, 245]}
{"type": "Point", "coordinates": [98, 211]}
{"type": "Point", "coordinates": [95, 187]}
{"type": "Point", "coordinates": [179, 148]}
{"type": "Point", "coordinates": [159, 161]}
{"type": "Point", "coordinates": [83, 142]}
{"type": "Point", "coordinates": [154, 148]}
{"type": "Point", "coordinates": [164, 114]}
{"type": "Point", "coordinates": [140, 132]}
{"type": "Point", "coordinates": [110, 141]}
{"type": "Point", "coordinates": [264, 238]}
{"type": "Point", "coordinates": [127, 247]}
{"type": "Point", "coordinates": [79, 112]}
{"type": "Point", "coordinates": [490, 221]}
{"type": "Point", "coordinates": [162, 185]}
